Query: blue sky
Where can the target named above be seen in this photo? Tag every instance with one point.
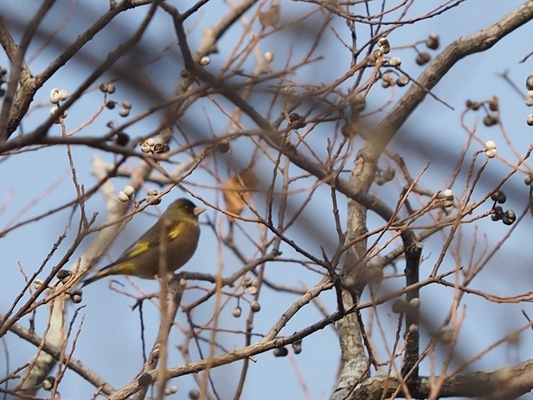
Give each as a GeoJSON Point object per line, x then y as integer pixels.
{"type": "Point", "coordinates": [110, 331]}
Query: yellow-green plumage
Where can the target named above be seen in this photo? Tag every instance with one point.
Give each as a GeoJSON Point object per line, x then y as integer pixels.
{"type": "Point", "coordinates": [141, 259]}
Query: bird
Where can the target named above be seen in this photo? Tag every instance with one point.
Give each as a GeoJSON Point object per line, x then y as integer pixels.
{"type": "Point", "coordinates": [141, 259]}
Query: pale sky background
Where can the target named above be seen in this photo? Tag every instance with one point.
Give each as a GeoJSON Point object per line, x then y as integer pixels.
{"type": "Point", "coordinates": [109, 340]}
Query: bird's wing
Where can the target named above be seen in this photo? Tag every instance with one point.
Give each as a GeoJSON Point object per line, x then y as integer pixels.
{"type": "Point", "coordinates": [143, 244]}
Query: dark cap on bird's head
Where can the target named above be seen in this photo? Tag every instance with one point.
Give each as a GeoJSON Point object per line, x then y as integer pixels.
{"type": "Point", "coordinates": [186, 205]}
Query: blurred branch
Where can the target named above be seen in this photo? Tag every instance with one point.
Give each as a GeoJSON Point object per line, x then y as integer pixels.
{"type": "Point", "coordinates": [500, 384]}
{"type": "Point", "coordinates": [22, 80]}
{"type": "Point", "coordinates": [364, 169]}
{"type": "Point", "coordinates": [477, 42]}
{"type": "Point", "coordinates": [299, 167]}
{"type": "Point", "coordinates": [176, 287]}
{"type": "Point", "coordinates": [56, 353]}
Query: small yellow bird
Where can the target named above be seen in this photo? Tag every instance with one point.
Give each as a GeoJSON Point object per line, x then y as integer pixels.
{"type": "Point", "coordinates": [141, 259]}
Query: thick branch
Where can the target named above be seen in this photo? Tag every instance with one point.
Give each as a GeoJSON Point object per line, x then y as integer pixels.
{"type": "Point", "coordinates": [477, 42]}
{"type": "Point", "coordinates": [56, 353]}
{"type": "Point", "coordinates": [500, 384]}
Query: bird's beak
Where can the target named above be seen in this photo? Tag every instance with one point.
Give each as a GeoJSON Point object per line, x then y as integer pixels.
{"type": "Point", "coordinates": [198, 210]}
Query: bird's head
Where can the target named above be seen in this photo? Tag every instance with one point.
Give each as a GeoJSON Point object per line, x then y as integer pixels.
{"type": "Point", "coordinates": [184, 208]}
